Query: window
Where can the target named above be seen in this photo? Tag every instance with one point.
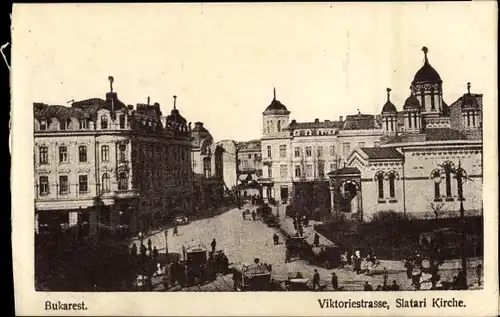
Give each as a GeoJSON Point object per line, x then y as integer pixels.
{"type": "Point", "coordinates": [296, 132]}
{"type": "Point", "coordinates": [63, 184]}
{"type": "Point", "coordinates": [122, 121]}
{"type": "Point", "coordinates": [68, 124]}
{"type": "Point", "coordinates": [123, 152]}
{"type": "Point", "coordinates": [433, 106]}
{"type": "Point", "coordinates": [43, 125]}
{"type": "Point", "coordinates": [308, 132]}
{"type": "Point", "coordinates": [321, 170]}
{"type": "Point", "coordinates": [332, 150]}
{"type": "Point", "coordinates": [105, 153]}
{"type": "Point", "coordinates": [279, 125]}
{"type": "Point", "coordinates": [63, 154]}
{"type": "Point", "coordinates": [380, 182]}
{"type": "Point", "coordinates": [296, 151]}
{"type": "Point", "coordinates": [320, 151]}
{"type": "Point", "coordinates": [283, 151]}
{"type": "Point", "coordinates": [123, 181]}
{"type": "Point", "coordinates": [448, 181]}
{"type": "Point", "coordinates": [422, 94]}
{"type": "Point", "coordinates": [283, 171]}
{"type": "Point", "coordinates": [392, 190]}
{"type": "Point", "coordinates": [308, 151]}
{"type": "Point", "coordinates": [83, 124]}
{"type": "Point", "coordinates": [376, 143]}
{"type": "Point", "coordinates": [437, 191]}
{"type": "Point", "coordinates": [62, 125]}
{"type": "Point", "coordinates": [83, 183]}
{"type": "Point", "coordinates": [104, 122]}
{"type": "Point", "coordinates": [44, 155]}
{"type": "Point", "coordinates": [320, 132]}
{"type": "Point", "coordinates": [249, 156]}
{"type": "Point", "coordinates": [44, 185]}
{"type": "Point", "coordinates": [269, 154]}
{"type": "Point", "coordinates": [244, 164]}
{"type": "Point", "coordinates": [297, 171]}
{"type": "Point", "coordinates": [361, 145]}
{"type": "Point", "coordinates": [269, 171]}
{"type": "Point", "coordinates": [346, 148]}
{"type": "Point", "coordinates": [82, 153]}
{"type": "Point", "coordinates": [106, 183]}
{"type": "Point", "coordinates": [207, 167]}
{"type": "Point", "coordinates": [333, 166]}
{"type": "Point", "coordinates": [409, 120]}
{"type": "Point", "coordinates": [309, 171]}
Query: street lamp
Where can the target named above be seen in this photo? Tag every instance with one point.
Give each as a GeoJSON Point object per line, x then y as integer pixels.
{"type": "Point", "coordinates": [460, 175]}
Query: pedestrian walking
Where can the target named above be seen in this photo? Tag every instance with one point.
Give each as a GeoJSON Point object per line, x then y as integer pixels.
{"type": "Point", "coordinates": [316, 239]}
{"type": "Point", "coordinates": [213, 245]}
{"type": "Point", "coordinates": [409, 268]}
{"type": "Point", "coordinates": [335, 281]}
{"type": "Point", "coordinates": [367, 287]}
{"type": "Point", "coordinates": [244, 215]}
{"type": "Point", "coordinates": [275, 238]}
{"type": "Point", "coordinates": [253, 215]}
{"type": "Point", "coordinates": [357, 262]}
{"type": "Point", "coordinates": [315, 279]}
{"type": "Point", "coordinates": [155, 253]}
{"type": "Point", "coordinates": [386, 276]}
{"type": "Point", "coordinates": [301, 231]}
{"type": "Point", "coordinates": [479, 270]}
{"type": "Point", "coordinates": [395, 286]}
{"type": "Point", "coordinates": [133, 250]}
{"type": "Point", "coordinates": [149, 245]}
{"type": "Point", "coordinates": [176, 232]}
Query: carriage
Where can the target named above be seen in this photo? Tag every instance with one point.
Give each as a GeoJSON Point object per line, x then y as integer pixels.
{"type": "Point", "coordinates": [327, 256]}
{"type": "Point", "coordinates": [254, 277]}
{"type": "Point", "coordinates": [195, 261]}
{"type": "Point", "coordinates": [297, 247]}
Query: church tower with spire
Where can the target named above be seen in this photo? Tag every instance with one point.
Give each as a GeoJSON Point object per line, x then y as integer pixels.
{"type": "Point", "coordinates": [275, 117]}
{"type": "Point", "coordinates": [427, 87]}
{"type": "Point", "coordinates": [389, 113]}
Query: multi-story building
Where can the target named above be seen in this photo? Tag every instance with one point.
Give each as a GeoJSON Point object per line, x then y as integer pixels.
{"type": "Point", "coordinates": [102, 164]}
{"type": "Point", "coordinates": [207, 166]}
{"type": "Point", "coordinates": [294, 153]}
{"type": "Point", "coordinates": [249, 167]}
{"type": "Point", "coordinates": [414, 170]}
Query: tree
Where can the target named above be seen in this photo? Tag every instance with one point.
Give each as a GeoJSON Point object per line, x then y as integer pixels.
{"type": "Point", "coordinates": [438, 208]}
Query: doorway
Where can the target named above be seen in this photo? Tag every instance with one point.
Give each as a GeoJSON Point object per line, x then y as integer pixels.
{"type": "Point", "coordinates": [284, 194]}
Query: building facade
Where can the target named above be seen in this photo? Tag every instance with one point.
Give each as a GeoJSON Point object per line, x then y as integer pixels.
{"type": "Point", "coordinates": [414, 171]}
{"type": "Point", "coordinates": [101, 165]}
{"type": "Point", "coordinates": [249, 168]}
{"type": "Point", "coordinates": [294, 152]}
{"type": "Point", "coordinates": [207, 166]}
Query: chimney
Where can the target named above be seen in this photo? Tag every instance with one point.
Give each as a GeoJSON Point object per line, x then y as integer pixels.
{"type": "Point", "coordinates": [148, 100]}
{"type": "Point", "coordinates": [130, 107]}
{"type": "Point", "coordinates": [341, 118]}
{"type": "Point", "coordinates": [316, 120]}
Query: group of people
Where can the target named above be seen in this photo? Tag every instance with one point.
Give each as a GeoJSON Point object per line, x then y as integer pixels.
{"type": "Point", "coordinates": [299, 222]}
{"type": "Point", "coordinates": [246, 212]}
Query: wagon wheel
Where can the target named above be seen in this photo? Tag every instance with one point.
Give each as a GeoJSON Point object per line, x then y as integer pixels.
{"type": "Point", "coordinates": [326, 264]}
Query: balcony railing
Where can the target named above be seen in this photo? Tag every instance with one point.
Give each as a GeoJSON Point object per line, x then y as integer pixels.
{"type": "Point", "coordinates": [126, 193]}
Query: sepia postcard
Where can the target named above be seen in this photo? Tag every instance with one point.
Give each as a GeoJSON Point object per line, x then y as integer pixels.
{"type": "Point", "coordinates": [255, 159]}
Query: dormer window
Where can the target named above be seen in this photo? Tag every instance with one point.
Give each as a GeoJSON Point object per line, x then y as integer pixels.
{"type": "Point", "coordinates": [320, 132]}
{"type": "Point", "coordinates": [308, 132]}
{"type": "Point", "coordinates": [43, 125]}
{"type": "Point", "coordinates": [296, 132]}
{"type": "Point", "coordinates": [68, 124]}
{"type": "Point", "coordinates": [83, 124]}
{"type": "Point", "coordinates": [332, 132]}
{"type": "Point", "coordinates": [122, 121]}
{"type": "Point", "coordinates": [104, 122]}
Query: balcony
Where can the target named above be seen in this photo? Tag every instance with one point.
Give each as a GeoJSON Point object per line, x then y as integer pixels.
{"type": "Point", "coordinates": [265, 180]}
{"type": "Point", "coordinates": [127, 193]}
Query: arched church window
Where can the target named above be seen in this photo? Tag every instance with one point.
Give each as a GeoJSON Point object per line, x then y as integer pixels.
{"type": "Point", "coordinates": [392, 188]}
{"type": "Point", "coordinates": [433, 105]}
{"type": "Point", "coordinates": [409, 120]}
{"type": "Point", "coordinates": [436, 177]}
{"type": "Point", "coordinates": [447, 177]}
{"type": "Point", "coordinates": [279, 125]}
{"type": "Point", "coordinates": [122, 121]}
{"type": "Point", "coordinates": [268, 124]}
{"type": "Point", "coordinates": [473, 118]}
{"type": "Point", "coordinates": [380, 183]}
{"type": "Point", "coordinates": [422, 94]}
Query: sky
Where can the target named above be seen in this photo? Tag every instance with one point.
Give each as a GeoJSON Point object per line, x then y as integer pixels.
{"type": "Point", "coordinates": [223, 60]}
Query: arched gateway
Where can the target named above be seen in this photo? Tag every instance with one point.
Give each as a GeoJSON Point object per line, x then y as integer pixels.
{"type": "Point", "coordinates": [345, 192]}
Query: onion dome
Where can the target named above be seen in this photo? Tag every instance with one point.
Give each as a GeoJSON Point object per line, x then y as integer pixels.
{"type": "Point", "coordinates": [427, 73]}
{"type": "Point", "coordinates": [175, 116]}
{"type": "Point", "coordinates": [389, 107]}
{"type": "Point", "coordinates": [469, 100]}
{"type": "Point", "coordinates": [412, 103]}
{"type": "Point", "coordinates": [275, 105]}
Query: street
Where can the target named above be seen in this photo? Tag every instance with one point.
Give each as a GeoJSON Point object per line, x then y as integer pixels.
{"type": "Point", "coordinates": [244, 240]}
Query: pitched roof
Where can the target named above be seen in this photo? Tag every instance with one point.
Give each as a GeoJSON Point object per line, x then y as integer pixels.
{"type": "Point", "coordinates": [360, 122]}
{"type": "Point", "coordinates": [380, 153]}
{"type": "Point", "coordinates": [315, 125]}
{"type": "Point", "coordinates": [345, 171]}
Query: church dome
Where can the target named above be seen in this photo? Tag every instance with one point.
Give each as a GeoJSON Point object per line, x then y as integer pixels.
{"type": "Point", "coordinates": [389, 107]}
{"type": "Point", "coordinates": [427, 73]}
{"type": "Point", "coordinates": [412, 103]}
{"type": "Point", "coordinates": [275, 105]}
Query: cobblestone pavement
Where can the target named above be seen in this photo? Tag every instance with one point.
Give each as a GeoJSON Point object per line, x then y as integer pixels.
{"type": "Point", "coordinates": [244, 240]}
